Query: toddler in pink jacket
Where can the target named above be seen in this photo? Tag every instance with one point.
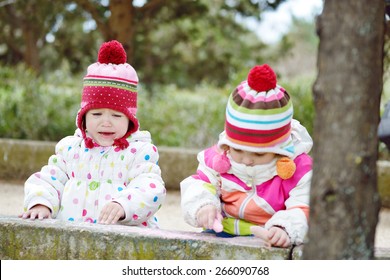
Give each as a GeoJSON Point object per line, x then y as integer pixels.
{"type": "Point", "coordinates": [256, 180]}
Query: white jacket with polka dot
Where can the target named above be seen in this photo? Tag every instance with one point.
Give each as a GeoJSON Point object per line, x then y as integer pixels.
{"type": "Point", "coordinates": [77, 182]}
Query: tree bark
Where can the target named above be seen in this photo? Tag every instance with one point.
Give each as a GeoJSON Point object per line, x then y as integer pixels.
{"type": "Point", "coordinates": [122, 26]}
{"type": "Point", "coordinates": [344, 197]}
{"type": "Point", "coordinates": [31, 52]}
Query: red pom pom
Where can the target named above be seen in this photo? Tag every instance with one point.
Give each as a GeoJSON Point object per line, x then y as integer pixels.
{"type": "Point", "coordinates": [262, 78]}
{"type": "Point", "coordinates": [121, 143]}
{"type": "Point", "coordinates": [89, 143]}
{"type": "Point", "coordinates": [112, 52]}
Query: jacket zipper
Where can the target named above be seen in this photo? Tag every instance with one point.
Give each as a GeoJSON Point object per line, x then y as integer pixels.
{"type": "Point", "coordinates": [243, 205]}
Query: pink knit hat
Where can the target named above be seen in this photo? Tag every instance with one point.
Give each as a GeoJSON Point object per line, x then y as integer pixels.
{"type": "Point", "coordinates": [110, 83]}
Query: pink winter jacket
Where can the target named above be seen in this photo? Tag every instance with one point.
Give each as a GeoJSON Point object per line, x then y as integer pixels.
{"type": "Point", "coordinates": [248, 196]}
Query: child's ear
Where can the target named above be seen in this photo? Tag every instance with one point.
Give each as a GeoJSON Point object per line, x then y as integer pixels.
{"type": "Point", "coordinates": [224, 148]}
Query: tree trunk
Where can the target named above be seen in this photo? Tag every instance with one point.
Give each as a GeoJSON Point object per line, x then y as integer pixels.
{"type": "Point", "coordinates": [30, 29]}
{"type": "Point", "coordinates": [31, 53]}
{"type": "Point", "coordinates": [122, 26]}
{"type": "Point", "coordinates": [344, 198]}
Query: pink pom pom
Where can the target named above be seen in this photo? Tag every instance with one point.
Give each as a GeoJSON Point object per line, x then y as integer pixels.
{"type": "Point", "coordinates": [262, 78]}
{"type": "Point", "coordinates": [221, 163]}
{"type": "Point", "coordinates": [112, 52]}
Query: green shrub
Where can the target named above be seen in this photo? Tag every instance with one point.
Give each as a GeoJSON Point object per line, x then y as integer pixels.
{"type": "Point", "coordinates": [45, 108]}
{"type": "Point", "coordinates": [178, 117]}
{"type": "Point", "coordinates": [39, 108]}
{"type": "Point", "coordinates": [300, 90]}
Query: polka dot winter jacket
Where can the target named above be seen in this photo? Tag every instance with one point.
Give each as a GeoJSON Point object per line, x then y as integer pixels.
{"type": "Point", "coordinates": [77, 182]}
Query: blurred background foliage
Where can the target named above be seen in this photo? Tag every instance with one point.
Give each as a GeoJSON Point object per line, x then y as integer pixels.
{"type": "Point", "coordinates": [189, 56]}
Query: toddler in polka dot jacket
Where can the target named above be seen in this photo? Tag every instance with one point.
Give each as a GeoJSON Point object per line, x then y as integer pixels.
{"type": "Point", "coordinates": [107, 172]}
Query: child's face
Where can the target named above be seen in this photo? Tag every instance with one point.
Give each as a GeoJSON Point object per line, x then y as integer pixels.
{"type": "Point", "coordinates": [250, 158]}
{"type": "Point", "coordinates": [106, 125]}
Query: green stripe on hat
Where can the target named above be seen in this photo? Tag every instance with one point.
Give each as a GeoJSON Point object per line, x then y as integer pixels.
{"type": "Point", "coordinates": [109, 83]}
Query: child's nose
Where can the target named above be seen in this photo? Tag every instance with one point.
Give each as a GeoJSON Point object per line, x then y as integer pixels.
{"type": "Point", "coordinates": [107, 120]}
{"type": "Point", "coordinates": [247, 160]}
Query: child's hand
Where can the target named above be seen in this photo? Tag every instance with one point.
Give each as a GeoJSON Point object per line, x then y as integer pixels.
{"type": "Point", "coordinates": [111, 213]}
{"type": "Point", "coordinates": [209, 217]}
{"type": "Point", "coordinates": [275, 236]}
{"type": "Point", "coordinates": [37, 212]}
{"type": "Point", "coordinates": [261, 233]}
{"type": "Point", "coordinates": [279, 237]}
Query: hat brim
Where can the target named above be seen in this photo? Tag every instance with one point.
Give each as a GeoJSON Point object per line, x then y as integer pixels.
{"type": "Point", "coordinates": [286, 148]}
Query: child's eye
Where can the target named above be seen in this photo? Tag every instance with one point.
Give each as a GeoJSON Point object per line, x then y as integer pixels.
{"type": "Point", "coordinates": [96, 114]}
{"type": "Point", "coordinates": [237, 150]}
{"type": "Point", "coordinates": [117, 115]}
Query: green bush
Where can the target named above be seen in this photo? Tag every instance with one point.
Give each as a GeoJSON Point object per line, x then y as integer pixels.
{"type": "Point", "coordinates": [178, 117]}
{"type": "Point", "coordinates": [45, 108]}
{"type": "Point", "coordinates": [300, 90]}
{"type": "Point", "coordinates": [39, 108]}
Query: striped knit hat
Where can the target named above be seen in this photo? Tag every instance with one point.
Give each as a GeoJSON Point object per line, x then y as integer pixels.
{"type": "Point", "coordinates": [258, 115]}
{"type": "Point", "coordinates": [110, 83]}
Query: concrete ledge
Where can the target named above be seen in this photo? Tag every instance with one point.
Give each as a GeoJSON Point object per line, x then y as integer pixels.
{"type": "Point", "coordinates": [57, 240]}
{"type": "Point", "coordinates": [53, 239]}
{"type": "Point", "coordinates": [177, 164]}
{"type": "Point", "coordinates": [21, 158]}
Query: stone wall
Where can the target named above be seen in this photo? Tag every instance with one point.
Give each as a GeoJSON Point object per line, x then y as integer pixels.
{"type": "Point", "coordinates": [53, 239]}
{"type": "Point", "coordinates": [57, 240]}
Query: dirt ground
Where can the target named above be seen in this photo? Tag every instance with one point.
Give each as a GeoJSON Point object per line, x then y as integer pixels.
{"type": "Point", "coordinates": [169, 216]}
